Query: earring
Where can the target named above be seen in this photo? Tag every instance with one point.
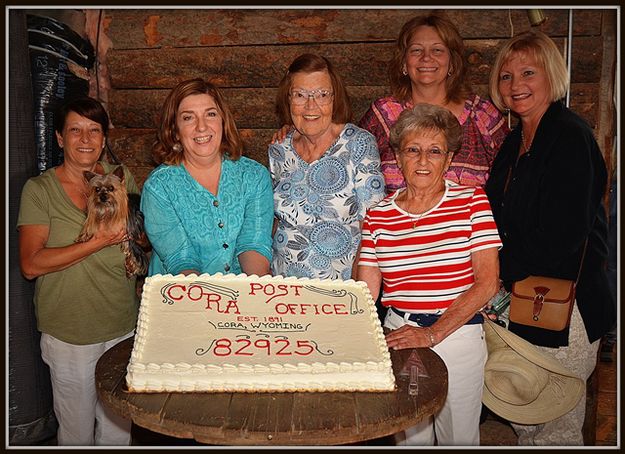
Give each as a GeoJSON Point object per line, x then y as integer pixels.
{"type": "Point", "coordinates": [506, 113]}
{"type": "Point", "coordinates": [450, 72]}
{"type": "Point", "coordinates": [177, 147]}
{"type": "Point", "coordinates": [404, 71]}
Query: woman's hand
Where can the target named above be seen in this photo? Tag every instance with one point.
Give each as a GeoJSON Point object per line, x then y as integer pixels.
{"type": "Point", "coordinates": [491, 316]}
{"type": "Point", "coordinates": [280, 134]}
{"type": "Point", "coordinates": [105, 237]}
{"type": "Point", "coordinates": [253, 262]}
{"type": "Point", "coordinates": [410, 337]}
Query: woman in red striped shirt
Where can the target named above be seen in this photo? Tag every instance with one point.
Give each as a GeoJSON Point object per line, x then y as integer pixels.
{"type": "Point", "coordinates": [431, 248]}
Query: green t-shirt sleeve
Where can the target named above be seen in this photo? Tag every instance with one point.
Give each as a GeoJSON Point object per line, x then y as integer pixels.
{"type": "Point", "coordinates": [34, 205]}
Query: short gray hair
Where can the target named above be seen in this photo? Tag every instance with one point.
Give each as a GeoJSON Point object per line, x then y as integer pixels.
{"type": "Point", "coordinates": [427, 117]}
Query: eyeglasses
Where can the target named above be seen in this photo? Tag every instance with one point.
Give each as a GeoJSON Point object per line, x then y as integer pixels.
{"type": "Point", "coordinates": [433, 154]}
{"type": "Point", "coordinates": [321, 97]}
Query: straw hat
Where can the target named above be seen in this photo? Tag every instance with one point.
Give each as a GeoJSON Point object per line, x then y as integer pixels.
{"type": "Point", "coordinates": [523, 384]}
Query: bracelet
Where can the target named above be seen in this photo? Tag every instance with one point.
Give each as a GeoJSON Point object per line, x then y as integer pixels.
{"type": "Point", "coordinates": [431, 336]}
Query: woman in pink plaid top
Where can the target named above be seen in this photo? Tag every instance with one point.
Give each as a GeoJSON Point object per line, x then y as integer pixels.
{"type": "Point", "coordinates": [428, 67]}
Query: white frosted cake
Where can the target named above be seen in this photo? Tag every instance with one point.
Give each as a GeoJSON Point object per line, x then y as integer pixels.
{"type": "Point", "coordinates": [225, 333]}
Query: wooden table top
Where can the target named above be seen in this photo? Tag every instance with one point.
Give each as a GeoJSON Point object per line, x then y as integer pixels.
{"type": "Point", "coordinates": [276, 418]}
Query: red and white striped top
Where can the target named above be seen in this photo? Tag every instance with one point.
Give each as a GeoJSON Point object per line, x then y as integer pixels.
{"type": "Point", "coordinates": [425, 260]}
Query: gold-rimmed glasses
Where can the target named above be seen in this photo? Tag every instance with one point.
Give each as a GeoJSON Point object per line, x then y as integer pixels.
{"type": "Point", "coordinates": [321, 97]}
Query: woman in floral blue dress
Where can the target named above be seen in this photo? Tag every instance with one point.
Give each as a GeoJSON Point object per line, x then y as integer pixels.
{"type": "Point", "coordinates": [326, 174]}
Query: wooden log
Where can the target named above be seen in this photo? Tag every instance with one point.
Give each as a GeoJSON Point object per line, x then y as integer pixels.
{"type": "Point", "coordinates": [359, 64]}
{"type": "Point", "coordinates": [133, 147]}
{"type": "Point", "coordinates": [159, 28]}
{"type": "Point", "coordinates": [607, 113]}
{"type": "Point", "coordinates": [584, 100]}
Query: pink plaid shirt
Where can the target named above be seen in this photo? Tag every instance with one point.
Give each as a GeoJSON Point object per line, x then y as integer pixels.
{"type": "Point", "coordinates": [484, 129]}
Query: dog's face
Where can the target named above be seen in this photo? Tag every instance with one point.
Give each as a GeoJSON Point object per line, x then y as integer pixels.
{"type": "Point", "coordinates": [106, 190]}
{"type": "Point", "coordinates": [108, 207]}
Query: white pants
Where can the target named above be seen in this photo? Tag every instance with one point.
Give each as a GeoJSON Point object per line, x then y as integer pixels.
{"type": "Point", "coordinates": [82, 419]}
{"type": "Point", "coordinates": [580, 357]}
{"type": "Point", "coordinates": [458, 421]}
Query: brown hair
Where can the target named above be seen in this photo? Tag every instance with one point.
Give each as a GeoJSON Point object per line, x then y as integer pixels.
{"type": "Point", "coordinates": [456, 84]}
{"type": "Point", "coordinates": [163, 150]}
{"type": "Point", "coordinates": [546, 54]}
{"type": "Point", "coordinates": [85, 107]}
{"type": "Point", "coordinates": [310, 63]}
{"type": "Point", "coordinates": [427, 117]}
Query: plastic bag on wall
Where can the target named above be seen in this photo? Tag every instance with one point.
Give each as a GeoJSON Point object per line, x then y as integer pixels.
{"type": "Point", "coordinates": [60, 63]}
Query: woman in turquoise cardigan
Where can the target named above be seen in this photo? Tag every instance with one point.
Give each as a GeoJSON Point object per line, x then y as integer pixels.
{"type": "Point", "coordinates": [207, 209]}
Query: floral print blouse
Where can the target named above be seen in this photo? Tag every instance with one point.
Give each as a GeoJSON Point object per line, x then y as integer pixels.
{"type": "Point", "coordinates": [319, 206]}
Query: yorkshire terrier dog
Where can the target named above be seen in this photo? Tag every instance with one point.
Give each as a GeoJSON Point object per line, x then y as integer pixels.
{"type": "Point", "coordinates": [110, 205]}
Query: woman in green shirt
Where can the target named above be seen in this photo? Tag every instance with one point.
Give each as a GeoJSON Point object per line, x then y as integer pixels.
{"type": "Point", "coordinates": [84, 302]}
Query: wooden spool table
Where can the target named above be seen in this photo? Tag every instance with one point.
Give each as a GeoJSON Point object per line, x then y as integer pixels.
{"type": "Point", "coordinates": [275, 418]}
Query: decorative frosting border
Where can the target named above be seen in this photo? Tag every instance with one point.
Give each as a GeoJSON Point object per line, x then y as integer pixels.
{"type": "Point", "coordinates": [182, 370]}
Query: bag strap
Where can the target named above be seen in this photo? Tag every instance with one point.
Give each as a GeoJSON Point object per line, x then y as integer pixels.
{"type": "Point", "coordinates": [505, 187]}
{"type": "Point", "coordinates": [512, 166]}
{"type": "Point", "coordinates": [579, 272]}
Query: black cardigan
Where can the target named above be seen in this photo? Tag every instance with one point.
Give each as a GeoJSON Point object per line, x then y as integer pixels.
{"type": "Point", "coordinates": [552, 204]}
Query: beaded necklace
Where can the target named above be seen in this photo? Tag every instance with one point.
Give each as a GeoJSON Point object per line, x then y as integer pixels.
{"type": "Point", "coordinates": [526, 147]}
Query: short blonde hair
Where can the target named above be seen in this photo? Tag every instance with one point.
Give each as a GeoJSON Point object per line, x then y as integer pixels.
{"type": "Point", "coordinates": [427, 117]}
{"type": "Point", "coordinates": [538, 45]}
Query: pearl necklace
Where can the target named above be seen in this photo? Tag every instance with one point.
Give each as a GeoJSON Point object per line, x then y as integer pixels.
{"type": "Point", "coordinates": [525, 146]}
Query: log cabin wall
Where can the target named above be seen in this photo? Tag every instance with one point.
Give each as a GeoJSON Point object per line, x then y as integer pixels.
{"type": "Point", "coordinates": [246, 52]}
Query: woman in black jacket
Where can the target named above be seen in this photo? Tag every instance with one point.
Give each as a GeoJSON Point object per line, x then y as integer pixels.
{"type": "Point", "coordinates": [546, 189]}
